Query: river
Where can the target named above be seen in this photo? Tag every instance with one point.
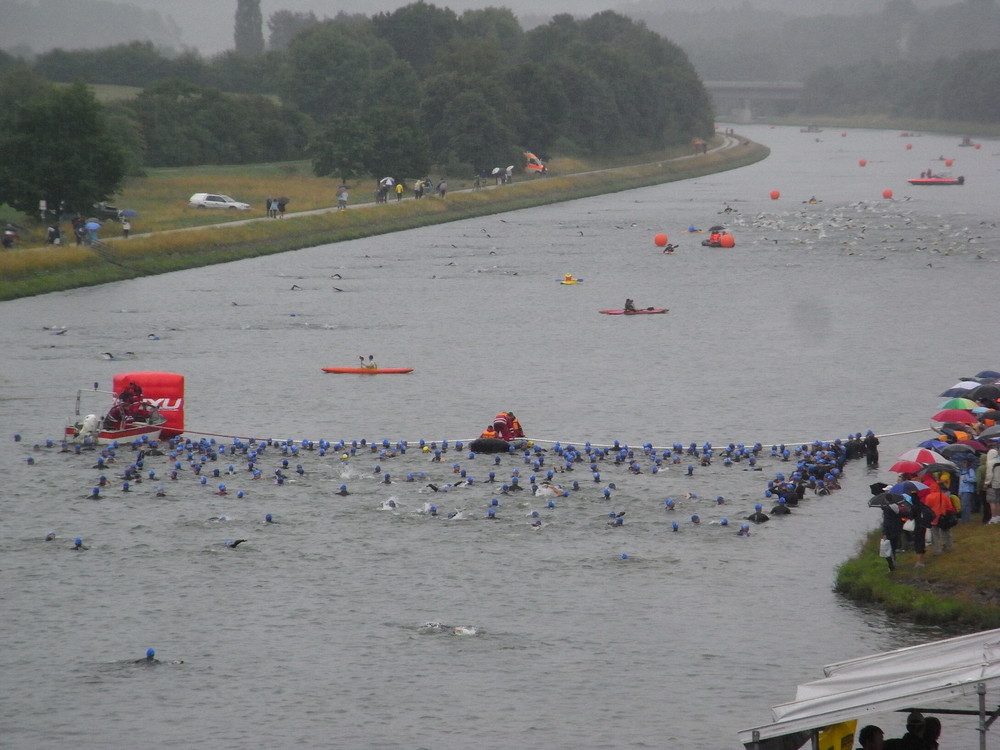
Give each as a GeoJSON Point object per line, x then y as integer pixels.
{"type": "Point", "coordinates": [827, 318]}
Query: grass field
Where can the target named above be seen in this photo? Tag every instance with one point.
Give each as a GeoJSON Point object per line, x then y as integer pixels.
{"type": "Point", "coordinates": [172, 236]}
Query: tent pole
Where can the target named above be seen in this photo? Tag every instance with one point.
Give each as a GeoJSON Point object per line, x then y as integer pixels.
{"type": "Point", "coordinates": [756, 740]}
{"type": "Point", "coordinates": [814, 740]}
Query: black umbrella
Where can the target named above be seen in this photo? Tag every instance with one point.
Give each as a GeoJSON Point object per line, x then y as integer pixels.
{"type": "Point", "coordinates": [716, 228]}
{"type": "Point", "coordinates": [957, 450]}
{"type": "Point", "coordinates": [988, 374]}
{"type": "Point", "coordinates": [886, 498]}
{"type": "Point", "coordinates": [989, 391]}
{"type": "Point", "coordinates": [938, 468]}
{"type": "Point", "coordinates": [991, 414]}
{"type": "Point", "coordinates": [989, 432]}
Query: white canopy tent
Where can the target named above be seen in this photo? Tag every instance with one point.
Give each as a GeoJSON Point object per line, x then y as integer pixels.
{"type": "Point", "coordinates": [964, 671]}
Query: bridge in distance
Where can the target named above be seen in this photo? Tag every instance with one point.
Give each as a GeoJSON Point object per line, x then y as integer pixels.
{"type": "Point", "coordinates": [744, 100]}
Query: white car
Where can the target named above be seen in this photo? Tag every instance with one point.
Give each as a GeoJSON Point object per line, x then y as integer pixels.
{"type": "Point", "coordinates": [216, 200]}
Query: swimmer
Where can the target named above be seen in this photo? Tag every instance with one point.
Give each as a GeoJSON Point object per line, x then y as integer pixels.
{"type": "Point", "coordinates": [269, 519]}
{"type": "Point", "coordinates": [744, 530]}
{"type": "Point", "coordinates": [149, 658]}
{"type": "Point", "coordinates": [758, 516]}
{"type": "Point", "coordinates": [342, 491]}
{"type": "Point", "coordinates": [78, 545]}
{"type": "Point", "coordinates": [669, 249]}
{"type": "Point", "coordinates": [234, 543]}
{"type": "Point", "coordinates": [50, 536]}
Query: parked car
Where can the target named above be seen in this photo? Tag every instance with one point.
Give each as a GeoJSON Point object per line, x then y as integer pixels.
{"type": "Point", "coordinates": [216, 200]}
{"type": "Point", "coordinates": [107, 211]}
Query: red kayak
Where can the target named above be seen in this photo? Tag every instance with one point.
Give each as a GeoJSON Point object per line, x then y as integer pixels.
{"type": "Point", "coordinates": [368, 371]}
{"type": "Point", "coordinates": [643, 311]}
{"type": "Point", "coordinates": [937, 181]}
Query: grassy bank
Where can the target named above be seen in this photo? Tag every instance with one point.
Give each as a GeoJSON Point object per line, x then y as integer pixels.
{"type": "Point", "coordinates": [31, 271]}
{"type": "Point", "coordinates": [956, 589]}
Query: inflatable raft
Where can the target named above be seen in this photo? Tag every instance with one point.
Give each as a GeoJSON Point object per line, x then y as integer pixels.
{"type": "Point", "coordinates": [368, 371]}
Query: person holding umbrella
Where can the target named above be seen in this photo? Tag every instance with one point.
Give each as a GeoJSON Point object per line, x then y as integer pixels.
{"type": "Point", "coordinates": [91, 227]}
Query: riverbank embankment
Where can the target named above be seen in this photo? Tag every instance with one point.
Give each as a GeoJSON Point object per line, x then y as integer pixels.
{"type": "Point", "coordinates": [40, 270]}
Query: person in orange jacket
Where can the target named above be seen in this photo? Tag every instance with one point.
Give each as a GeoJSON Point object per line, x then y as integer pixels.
{"type": "Point", "coordinates": [938, 500]}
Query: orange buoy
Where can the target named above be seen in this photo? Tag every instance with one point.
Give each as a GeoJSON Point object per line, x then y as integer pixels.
{"type": "Point", "coordinates": [727, 240]}
{"type": "Point", "coordinates": [887, 194]}
{"type": "Point", "coordinates": [775, 195]}
{"type": "Point", "coordinates": [660, 240]}
{"type": "Point", "coordinates": [843, 135]}
{"type": "Point", "coordinates": [979, 145]}
{"type": "Point", "coordinates": [949, 162]}
{"type": "Point", "coordinates": [862, 162]}
{"type": "Point", "coordinates": [909, 146]}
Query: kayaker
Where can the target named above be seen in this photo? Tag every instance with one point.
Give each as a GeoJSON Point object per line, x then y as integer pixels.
{"type": "Point", "coordinates": [370, 364]}
{"type": "Point", "coordinates": [629, 306]}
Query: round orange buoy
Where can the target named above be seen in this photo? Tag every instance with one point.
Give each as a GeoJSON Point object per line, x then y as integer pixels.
{"type": "Point", "coordinates": [979, 145]}
{"type": "Point", "coordinates": [949, 162]}
{"type": "Point", "coordinates": [775, 195]}
{"type": "Point", "coordinates": [887, 194]}
{"type": "Point", "coordinates": [843, 135]}
{"type": "Point", "coordinates": [660, 240]}
{"type": "Point", "coordinates": [727, 240]}
{"type": "Point", "coordinates": [862, 162]}
{"type": "Point", "coordinates": [909, 146]}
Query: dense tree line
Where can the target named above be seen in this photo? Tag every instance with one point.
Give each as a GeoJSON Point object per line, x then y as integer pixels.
{"type": "Point", "coordinates": [745, 43]}
{"type": "Point", "coordinates": [416, 86]}
{"type": "Point", "coordinates": [965, 88]}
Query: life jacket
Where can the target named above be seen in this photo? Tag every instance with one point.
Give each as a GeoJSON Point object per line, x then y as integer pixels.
{"type": "Point", "coordinates": [515, 427]}
{"type": "Point", "coordinates": [502, 425]}
{"type": "Point", "coordinates": [489, 432]}
{"type": "Point", "coordinates": [715, 238]}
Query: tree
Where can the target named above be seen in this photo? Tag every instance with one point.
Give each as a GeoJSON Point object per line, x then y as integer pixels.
{"type": "Point", "coordinates": [340, 150]}
{"type": "Point", "coordinates": [285, 24]}
{"type": "Point", "coordinates": [42, 159]}
{"type": "Point", "coordinates": [249, 32]}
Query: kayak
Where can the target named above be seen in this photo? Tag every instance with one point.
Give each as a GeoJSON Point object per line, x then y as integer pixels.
{"type": "Point", "coordinates": [937, 181]}
{"type": "Point", "coordinates": [644, 311]}
{"type": "Point", "coordinates": [367, 371]}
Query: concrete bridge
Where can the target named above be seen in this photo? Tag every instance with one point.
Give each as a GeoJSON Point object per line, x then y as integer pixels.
{"type": "Point", "coordinates": [743, 100]}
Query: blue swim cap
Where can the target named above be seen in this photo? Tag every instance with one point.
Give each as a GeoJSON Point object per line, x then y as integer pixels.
{"type": "Point", "coordinates": [675, 526]}
{"type": "Point", "coordinates": [624, 556]}
{"type": "Point", "coordinates": [724, 522]}
{"type": "Point", "coordinates": [550, 504]}
{"type": "Point", "coordinates": [267, 517]}
{"type": "Point", "coordinates": [150, 653]}
{"type": "Point", "coordinates": [695, 518]}
{"type": "Point", "coordinates": [757, 506]}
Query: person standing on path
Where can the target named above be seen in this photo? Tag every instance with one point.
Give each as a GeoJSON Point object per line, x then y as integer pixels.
{"type": "Point", "coordinates": [126, 227]}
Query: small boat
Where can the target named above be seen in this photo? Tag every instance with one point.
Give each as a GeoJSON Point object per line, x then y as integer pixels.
{"type": "Point", "coordinates": [966, 142]}
{"type": "Point", "coordinates": [937, 181]}
{"type": "Point", "coordinates": [368, 370]}
{"type": "Point", "coordinates": [811, 129]}
{"type": "Point", "coordinates": [490, 445]}
{"type": "Point", "coordinates": [641, 311]}
{"type": "Point", "coordinates": [158, 414]}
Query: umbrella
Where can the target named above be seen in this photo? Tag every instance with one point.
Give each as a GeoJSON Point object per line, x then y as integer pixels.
{"type": "Point", "coordinates": [990, 433]}
{"type": "Point", "coordinates": [920, 455]}
{"type": "Point", "coordinates": [958, 451]}
{"type": "Point", "coordinates": [909, 487]}
{"type": "Point", "coordinates": [906, 467]}
{"type": "Point", "coordinates": [958, 403]}
{"type": "Point", "coordinates": [993, 414]}
{"type": "Point", "coordinates": [92, 225]}
{"type": "Point", "coordinates": [974, 444]}
{"type": "Point", "coordinates": [988, 374]}
{"type": "Point", "coordinates": [944, 465]}
{"type": "Point", "coordinates": [94, 219]}
{"type": "Point", "coordinates": [961, 416]}
{"type": "Point", "coordinates": [284, 199]}
{"type": "Point", "coordinates": [934, 445]}
{"type": "Point", "coordinates": [961, 389]}
{"type": "Point", "coordinates": [131, 212]}
{"type": "Point", "coordinates": [987, 391]}
{"type": "Point", "coordinates": [387, 182]}
{"type": "Point", "coordinates": [716, 228]}
{"type": "Point", "coordinates": [886, 498]}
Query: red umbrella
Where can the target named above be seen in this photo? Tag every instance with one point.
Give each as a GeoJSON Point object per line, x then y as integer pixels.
{"type": "Point", "coordinates": [921, 455]}
{"type": "Point", "coordinates": [962, 416]}
{"type": "Point", "coordinates": [907, 467]}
